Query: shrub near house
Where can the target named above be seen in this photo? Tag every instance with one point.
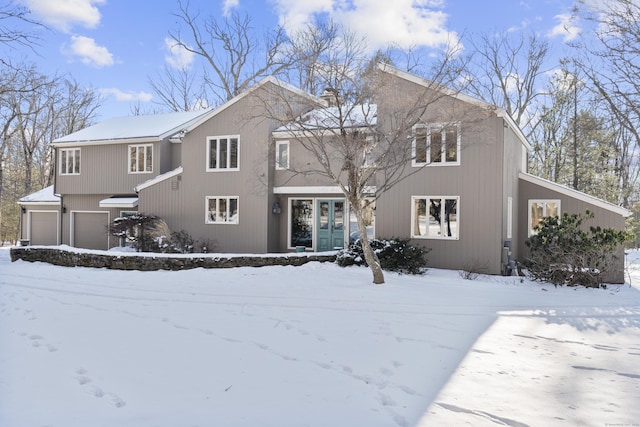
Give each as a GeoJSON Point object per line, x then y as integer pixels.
{"type": "Point", "coordinates": [562, 252]}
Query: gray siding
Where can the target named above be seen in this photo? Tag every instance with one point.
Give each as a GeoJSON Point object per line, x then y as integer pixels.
{"type": "Point", "coordinates": [104, 169]}
{"type": "Point", "coordinates": [570, 205]}
{"type": "Point", "coordinates": [88, 204]}
{"type": "Point", "coordinates": [184, 207]}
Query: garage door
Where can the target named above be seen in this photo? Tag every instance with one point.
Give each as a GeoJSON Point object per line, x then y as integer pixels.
{"type": "Point", "coordinates": [90, 230]}
{"type": "Point", "coordinates": [44, 228]}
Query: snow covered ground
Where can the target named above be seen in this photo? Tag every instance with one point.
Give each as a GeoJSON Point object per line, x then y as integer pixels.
{"type": "Point", "coordinates": [316, 345]}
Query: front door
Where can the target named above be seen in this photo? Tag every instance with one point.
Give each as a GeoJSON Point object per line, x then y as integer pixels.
{"type": "Point", "coordinates": [330, 225]}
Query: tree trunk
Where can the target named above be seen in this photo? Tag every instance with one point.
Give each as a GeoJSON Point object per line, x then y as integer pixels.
{"type": "Point", "coordinates": [369, 255]}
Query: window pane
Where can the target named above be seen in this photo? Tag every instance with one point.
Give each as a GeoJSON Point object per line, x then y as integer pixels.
{"type": "Point", "coordinates": [140, 155]}
{"type": "Point", "coordinates": [76, 161]}
{"type": "Point", "coordinates": [149, 158]}
{"type": "Point", "coordinates": [436, 146]}
{"type": "Point", "coordinates": [451, 138]}
{"type": "Point", "coordinates": [338, 215]}
{"type": "Point", "coordinates": [420, 217]}
{"type": "Point", "coordinates": [132, 159]}
{"type": "Point", "coordinates": [63, 162]}
{"type": "Point", "coordinates": [421, 145]}
{"type": "Point", "coordinates": [537, 212]}
{"type": "Point", "coordinates": [435, 217]}
{"type": "Point", "coordinates": [223, 153]}
{"type": "Point", "coordinates": [283, 156]}
{"type": "Point", "coordinates": [451, 217]}
{"type": "Point", "coordinates": [212, 209]}
{"type": "Point", "coordinates": [233, 210]}
{"type": "Point", "coordinates": [324, 215]}
{"type": "Point", "coordinates": [552, 209]}
{"type": "Point", "coordinates": [213, 154]}
{"type": "Point", "coordinates": [223, 214]}
{"type": "Point", "coordinates": [233, 153]}
{"type": "Point", "coordinates": [302, 223]}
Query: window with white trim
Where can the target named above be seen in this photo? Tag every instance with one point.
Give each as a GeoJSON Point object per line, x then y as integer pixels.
{"type": "Point", "coordinates": [539, 209]}
{"type": "Point", "coordinates": [435, 217]}
{"type": "Point", "coordinates": [69, 161]}
{"type": "Point", "coordinates": [221, 210]}
{"type": "Point", "coordinates": [282, 155]}
{"type": "Point", "coordinates": [436, 144]}
{"type": "Point", "coordinates": [223, 153]}
{"type": "Point", "coordinates": [141, 158]}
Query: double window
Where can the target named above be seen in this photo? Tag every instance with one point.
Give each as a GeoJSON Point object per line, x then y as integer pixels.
{"type": "Point", "coordinates": [70, 161]}
{"type": "Point", "coordinates": [436, 145]}
{"type": "Point", "coordinates": [223, 153]}
{"type": "Point", "coordinates": [221, 210]}
{"type": "Point", "coordinates": [141, 158]}
{"type": "Point", "coordinates": [539, 209]}
{"type": "Point", "coordinates": [435, 217]}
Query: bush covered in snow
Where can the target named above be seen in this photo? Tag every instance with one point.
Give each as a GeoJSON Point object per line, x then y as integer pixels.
{"type": "Point", "coordinates": [563, 252]}
{"type": "Point", "coordinates": [394, 255]}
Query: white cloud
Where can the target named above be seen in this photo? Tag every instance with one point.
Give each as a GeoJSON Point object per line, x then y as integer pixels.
{"type": "Point", "coordinates": [126, 96]}
{"type": "Point", "coordinates": [566, 28]}
{"type": "Point", "coordinates": [228, 5]}
{"type": "Point", "coordinates": [406, 23]}
{"type": "Point", "coordinates": [177, 56]}
{"type": "Point", "coordinates": [89, 52]}
{"type": "Point", "coordinates": [64, 14]}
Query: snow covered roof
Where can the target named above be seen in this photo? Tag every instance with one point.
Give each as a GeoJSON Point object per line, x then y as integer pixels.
{"type": "Point", "coordinates": [157, 126]}
{"type": "Point", "coordinates": [44, 196]}
{"type": "Point", "coordinates": [119, 202]}
{"type": "Point", "coordinates": [352, 116]}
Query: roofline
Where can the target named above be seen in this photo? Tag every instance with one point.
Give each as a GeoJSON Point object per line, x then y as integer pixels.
{"type": "Point", "coordinates": [308, 133]}
{"type": "Point", "coordinates": [500, 112]}
{"type": "Point", "coordinates": [553, 186]}
{"type": "Point", "coordinates": [32, 203]}
{"type": "Point", "coordinates": [269, 79]}
{"type": "Point", "coordinates": [81, 143]}
{"type": "Point", "coordinates": [159, 178]}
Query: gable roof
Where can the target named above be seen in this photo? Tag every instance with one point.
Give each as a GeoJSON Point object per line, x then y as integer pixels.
{"type": "Point", "coordinates": [239, 97]}
{"type": "Point", "coordinates": [500, 112]}
{"type": "Point", "coordinates": [45, 196]}
{"type": "Point", "coordinates": [146, 128]}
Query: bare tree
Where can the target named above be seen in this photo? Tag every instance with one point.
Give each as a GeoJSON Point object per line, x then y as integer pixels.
{"type": "Point", "coordinates": [508, 73]}
{"type": "Point", "coordinates": [234, 56]}
{"type": "Point", "coordinates": [10, 12]}
{"type": "Point", "coordinates": [355, 143]}
{"type": "Point", "coordinates": [611, 69]}
{"type": "Point", "coordinates": [180, 89]}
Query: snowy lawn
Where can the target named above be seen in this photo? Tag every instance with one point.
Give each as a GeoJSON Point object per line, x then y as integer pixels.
{"type": "Point", "coordinates": [316, 345]}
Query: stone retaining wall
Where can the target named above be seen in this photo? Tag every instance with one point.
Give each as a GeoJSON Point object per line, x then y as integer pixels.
{"type": "Point", "coordinates": [148, 262]}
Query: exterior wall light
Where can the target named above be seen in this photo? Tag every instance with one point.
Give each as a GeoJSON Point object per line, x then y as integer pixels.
{"type": "Point", "coordinates": [276, 209]}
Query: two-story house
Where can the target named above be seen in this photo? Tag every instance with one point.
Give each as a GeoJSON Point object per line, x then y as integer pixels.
{"type": "Point", "coordinates": [228, 176]}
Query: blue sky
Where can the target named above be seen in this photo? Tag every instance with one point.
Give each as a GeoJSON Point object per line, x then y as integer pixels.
{"type": "Point", "coordinates": [114, 46]}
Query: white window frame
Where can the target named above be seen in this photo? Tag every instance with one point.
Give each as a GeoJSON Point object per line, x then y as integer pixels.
{"type": "Point", "coordinates": [542, 202]}
{"type": "Point", "coordinates": [443, 148]}
{"type": "Point", "coordinates": [145, 147]}
{"type": "Point", "coordinates": [217, 140]}
{"type": "Point", "coordinates": [67, 151]}
{"type": "Point", "coordinates": [279, 165]}
{"type": "Point", "coordinates": [207, 218]}
{"type": "Point", "coordinates": [442, 225]}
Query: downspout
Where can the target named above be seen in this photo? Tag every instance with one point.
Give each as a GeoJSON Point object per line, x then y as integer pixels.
{"type": "Point", "coordinates": [55, 193]}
